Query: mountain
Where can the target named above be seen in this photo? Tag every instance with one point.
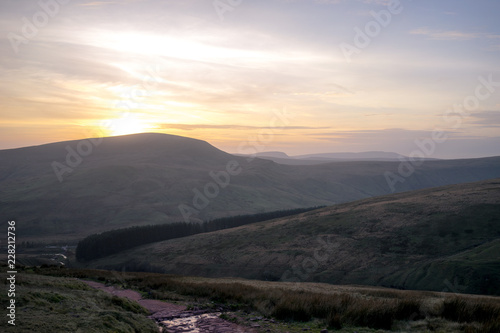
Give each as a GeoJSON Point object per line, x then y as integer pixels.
{"type": "Point", "coordinates": [67, 190]}
{"type": "Point", "coordinates": [287, 160]}
{"type": "Point", "coordinates": [442, 239]}
{"type": "Point", "coordinates": [278, 154]}
{"type": "Point", "coordinates": [312, 159]}
{"type": "Point", "coordinates": [364, 156]}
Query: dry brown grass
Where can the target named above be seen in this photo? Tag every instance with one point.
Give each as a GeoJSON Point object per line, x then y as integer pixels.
{"type": "Point", "coordinates": [338, 306]}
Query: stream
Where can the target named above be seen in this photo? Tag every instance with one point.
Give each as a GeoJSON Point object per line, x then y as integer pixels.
{"type": "Point", "coordinates": [174, 318]}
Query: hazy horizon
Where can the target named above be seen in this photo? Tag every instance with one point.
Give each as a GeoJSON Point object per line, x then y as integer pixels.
{"type": "Point", "coordinates": [296, 76]}
{"type": "Point", "coordinates": [254, 149]}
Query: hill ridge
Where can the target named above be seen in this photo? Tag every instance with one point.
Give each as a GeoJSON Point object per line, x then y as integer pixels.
{"type": "Point", "coordinates": [145, 179]}
{"type": "Point", "coordinates": [387, 241]}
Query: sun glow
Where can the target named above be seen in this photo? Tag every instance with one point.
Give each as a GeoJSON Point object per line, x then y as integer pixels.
{"type": "Point", "coordinates": [125, 125]}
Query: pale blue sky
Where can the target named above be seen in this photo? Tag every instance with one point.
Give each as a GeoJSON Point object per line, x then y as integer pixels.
{"type": "Point", "coordinates": [115, 67]}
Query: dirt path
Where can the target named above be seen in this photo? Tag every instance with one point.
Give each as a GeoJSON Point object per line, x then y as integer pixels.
{"type": "Point", "coordinates": [173, 318]}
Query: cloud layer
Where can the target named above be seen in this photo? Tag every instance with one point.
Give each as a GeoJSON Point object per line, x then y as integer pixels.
{"type": "Point", "coordinates": [192, 69]}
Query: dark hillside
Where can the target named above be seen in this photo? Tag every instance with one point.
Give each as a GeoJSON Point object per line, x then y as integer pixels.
{"type": "Point", "coordinates": [443, 239]}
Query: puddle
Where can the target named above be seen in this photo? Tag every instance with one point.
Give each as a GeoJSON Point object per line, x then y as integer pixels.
{"type": "Point", "coordinates": [187, 324]}
{"type": "Point", "coordinates": [174, 318]}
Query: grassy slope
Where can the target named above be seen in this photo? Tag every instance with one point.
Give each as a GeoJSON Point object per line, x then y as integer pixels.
{"type": "Point", "coordinates": [141, 179]}
{"type": "Point", "coordinates": [443, 239]}
{"type": "Point", "coordinates": [47, 304]}
{"type": "Point", "coordinates": [478, 269]}
{"type": "Point", "coordinates": [313, 306]}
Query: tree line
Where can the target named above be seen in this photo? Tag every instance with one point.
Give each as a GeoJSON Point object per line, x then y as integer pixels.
{"type": "Point", "coordinates": [110, 242]}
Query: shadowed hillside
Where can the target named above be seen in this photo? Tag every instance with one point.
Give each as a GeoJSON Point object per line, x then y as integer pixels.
{"type": "Point", "coordinates": [443, 239]}
{"type": "Point", "coordinates": [142, 179]}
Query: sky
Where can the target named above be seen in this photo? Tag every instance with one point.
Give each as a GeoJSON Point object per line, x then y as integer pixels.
{"type": "Point", "coordinates": [297, 76]}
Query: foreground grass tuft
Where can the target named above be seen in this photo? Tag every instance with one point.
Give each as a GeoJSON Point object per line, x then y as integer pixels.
{"type": "Point", "coordinates": [59, 304]}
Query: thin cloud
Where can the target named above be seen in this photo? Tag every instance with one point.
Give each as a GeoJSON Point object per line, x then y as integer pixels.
{"type": "Point", "coordinates": [389, 133]}
{"type": "Point", "coordinates": [98, 3]}
{"type": "Point", "coordinates": [487, 118]}
{"type": "Point", "coordinates": [105, 3]}
{"type": "Point", "coordinates": [190, 127]}
{"type": "Point", "coordinates": [378, 2]}
{"type": "Point", "coordinates": [378, 114]}
{"type": "Point", "coordinates": [335, 2]}
{"type": "Point", "coordinates": [315, 1]}
{"type": "Point", "coordinates": [451, 34]}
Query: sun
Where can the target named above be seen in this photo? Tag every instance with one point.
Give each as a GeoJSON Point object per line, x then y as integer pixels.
{"type": "Point", "coordinates": [125, 125]}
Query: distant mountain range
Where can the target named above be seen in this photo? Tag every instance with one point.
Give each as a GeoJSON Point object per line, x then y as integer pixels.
{"type": "Point", "coordinates": [364, 156]}
{"type": "Point", "coordinates": [311, 159]}
{"type": "Point", "coordinates": [67, 190]}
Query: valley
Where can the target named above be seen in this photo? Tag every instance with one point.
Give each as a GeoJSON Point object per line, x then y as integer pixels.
{"type": "Point", "coordinates": [441, 239]}
{"type": "Point", "coordinates": [146, 179]}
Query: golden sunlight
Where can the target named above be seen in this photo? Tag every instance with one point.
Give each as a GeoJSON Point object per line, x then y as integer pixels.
{"type": "Point", "coordinates": [127, 124]}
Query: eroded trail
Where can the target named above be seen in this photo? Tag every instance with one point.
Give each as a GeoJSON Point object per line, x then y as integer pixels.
{"type": "Point", "coordinates": [173, 318]}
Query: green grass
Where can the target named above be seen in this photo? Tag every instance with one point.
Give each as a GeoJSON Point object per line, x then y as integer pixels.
{"type": "Point", "coordinates": [58, 304]}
